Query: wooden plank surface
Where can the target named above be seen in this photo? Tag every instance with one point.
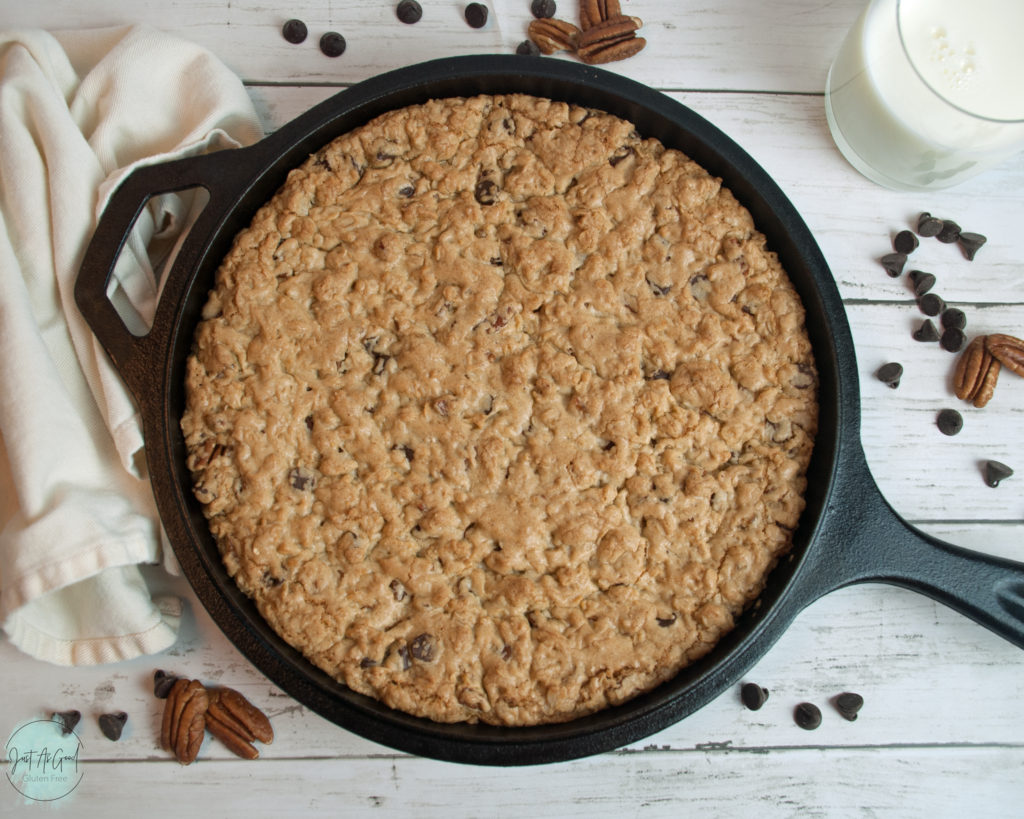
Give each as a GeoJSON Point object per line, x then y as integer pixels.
{"type": "Point", "coordinates": [734, 44]}
{"type": "Point", "coordinates": [942, 730]}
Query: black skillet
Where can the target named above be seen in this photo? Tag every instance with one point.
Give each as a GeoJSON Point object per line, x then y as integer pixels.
{"type": "Point", "coordinates": [848, 534]}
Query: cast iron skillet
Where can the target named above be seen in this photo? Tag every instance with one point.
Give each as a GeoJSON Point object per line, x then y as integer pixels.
{"type": "Point", "coordinates": [848, 533]}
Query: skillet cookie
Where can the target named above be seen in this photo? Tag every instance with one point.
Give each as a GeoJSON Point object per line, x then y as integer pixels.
{"type": "Point", "coordinates": [501, 412]}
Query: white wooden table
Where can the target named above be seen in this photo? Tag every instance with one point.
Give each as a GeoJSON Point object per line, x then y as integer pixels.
{"type": "Point", "coordinates": [942, 730]}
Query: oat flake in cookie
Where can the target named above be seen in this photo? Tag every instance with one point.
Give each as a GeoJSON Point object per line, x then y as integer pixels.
{"type": "Point", "coordinates": [500, 412]}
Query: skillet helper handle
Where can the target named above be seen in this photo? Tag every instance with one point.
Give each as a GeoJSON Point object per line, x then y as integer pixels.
{"type": "Point", "coordinates": [223, 174]}
{"type": "Point", "coordinates": [870, 542]}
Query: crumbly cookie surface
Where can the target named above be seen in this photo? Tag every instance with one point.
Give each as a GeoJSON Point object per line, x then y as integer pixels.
{"type": "Point", "coordinates": [500, 412]}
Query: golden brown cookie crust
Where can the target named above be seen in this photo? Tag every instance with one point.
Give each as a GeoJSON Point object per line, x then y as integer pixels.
{"type": "Point", "coordinates": [500, 412]}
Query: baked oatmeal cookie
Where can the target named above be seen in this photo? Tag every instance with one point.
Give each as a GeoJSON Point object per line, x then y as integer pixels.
{"type": "Point", "coordinates": [501, 412]}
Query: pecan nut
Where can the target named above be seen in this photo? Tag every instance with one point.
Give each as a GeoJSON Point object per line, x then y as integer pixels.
{"type": "Point", "coordinates": [231, 738]}
{"type": "Point", "coordinates": [184, 720]}
{"type": "Point", "coordinates": [551, 35]}
{"type": "Point", "coordinates": [609, 9]}
{"type": "Point", "coordinates": [987, 386]}
{"type": "Point", "coordinates": [609, 40]}
{"type": "Point", "coordinates": [609, 52]}
{"type": "Point", "coordinates": [976, 373]}
{"type": "Point", "coordinates": [615, 28]}
{"type": "Point", "coordinates": [593, 12]}
{"type": "Point", "coordinates": [1007, 350]}
{"type": "Point", "coordinates": [968, 367]}
{"type": "Point", "coordinates": [590, 13]}
{"type": "Point", "coordinates": [237, 723]}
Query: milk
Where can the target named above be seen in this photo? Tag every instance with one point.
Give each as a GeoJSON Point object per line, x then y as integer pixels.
{"type": "Point", "coordinates": [925, 93]}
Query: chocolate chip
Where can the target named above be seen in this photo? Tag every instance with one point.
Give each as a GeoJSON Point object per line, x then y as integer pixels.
{"type": "Point", "coordinates": [301, 478]}
{"type": "Point", "coordinates": [890, 374]}
{"type": "Point", "coordinates": [926, 332]}
{"type": "Point", "coordinates": [949, 421]}
{"type": "Point", "coordinates": [486, 192]}
{"type": "Point", "coordinates": [542, 9]}
{"type": "Point", "coordinates": [953, 318]}
{"type": "Point", "coordinates": [950, 232]}
{"type": "Point", "coordinates": [163, 683]}
{"type": "Point", "coordinates": [367, 662]}
{"type": "Point", "coordinates": [332, 44]}
{"type": "Point", "coordinates": [398, 590]}
{"type": "Point", "coordinates": [659, 289]}
{"type": "Point", "coordinates": [422, 648]}
{"type": "Point", "coordinates": [409, 11]}
{"type": "Point", "coordinates": [527, 48]}
{"type": "Point", "coordinates": [953, 339]}
{"type": "Point", "coordinates": [928, 225]}
{"type": "Point", "coordinates": [931, 304]}
{"type": "Point", "coordinates": [970, 243]}
{"type": "Point", "coordinates": [269, 581]}
{"type": "Point", "coordinates": [893, 263]}
{"type": "Point", "coordinates": [476, 15]}
{"type": "Point", "coordinates": [294, 31]}
{"type": "Point", "coordinates": [406, 191]}
{"type": "Point", "coordinates": [663, 622]}
{"type": "Point", "coordinates": [848, 704]}
{"type": "Point", "coordinates": [994, 473]}
{"type": "Point", "coordinates": [804, 379]}
{"type": "Point", "coordinates": [68, 720]}
{"type": "Point", "coordinates": [905, 242]}
{"type": "Point", "coordinates": [753, 696]}
{"type": "Point", "coordinates": [622, 153]}
{"type": "Point", "coordinates": [923, 282]}
{"type": "Point", "coordinates": [113, 724]}
{"type": "Point", "coordinates": [807, 715]}
{"type": "Point", "coordinates": [400, 650]}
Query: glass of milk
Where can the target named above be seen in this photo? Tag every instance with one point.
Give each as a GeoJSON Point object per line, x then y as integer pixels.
{"type": "Point", "coordinates": [927, 93]}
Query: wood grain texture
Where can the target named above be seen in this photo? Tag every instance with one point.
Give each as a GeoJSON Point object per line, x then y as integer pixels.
{"type": "Point", "coordinates": [942, 729]}
{"type": "Point", "coordinates": [807, 781]}
{"type": "Point", "coordinates": [712, 46]}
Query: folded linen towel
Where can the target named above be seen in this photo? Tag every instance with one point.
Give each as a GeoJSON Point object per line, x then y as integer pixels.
{"type": "Point", "coordinates": [78, 111]}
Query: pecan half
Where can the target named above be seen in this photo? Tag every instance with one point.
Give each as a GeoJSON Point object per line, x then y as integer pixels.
{"type": "Point", "coordinates": [968, 368]}
{"type": "Point", "coordinates": [609, 40]}
{"type": "Point", "coordinates": [987, 386]}
{"type": "Point", "coordinates": [615, 28]}
{"type": "Point", "coordinates": [609, 52]}
{"type": "Point", "coordinates": [590, 13]}
{"type": "Point", "coordinates": [1007, 350]}
{"type": "Point", "coordinates": [184, 720]}
{"type": "Point", "coordinates": [237, 723]}
{"type": "Point", "coordinates": [192, 728]}
{"type": "Point", "coordinates": [551, 35]}
{"type": "Point", "coordinates": [976, 373]}
{"type": "Point", "coordinates": [593, 12]}
{"type": "Point", "coordinates": [609, 9]}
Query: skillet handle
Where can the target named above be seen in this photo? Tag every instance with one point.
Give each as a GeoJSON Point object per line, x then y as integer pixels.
{"type": "Point", "coordinates": [867, 541]}
{"type": "Point", "coordinates": [224, 175]}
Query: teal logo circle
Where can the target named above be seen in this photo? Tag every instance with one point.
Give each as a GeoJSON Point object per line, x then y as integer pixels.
{"type": "Point", "coordinates": [43, 762]}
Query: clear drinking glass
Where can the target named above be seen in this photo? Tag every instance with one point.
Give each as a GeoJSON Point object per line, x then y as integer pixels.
{"type": "Point", "coordinates": [927, 93]}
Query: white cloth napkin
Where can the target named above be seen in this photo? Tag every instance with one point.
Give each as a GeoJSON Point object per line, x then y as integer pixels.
{"type": "Point", "coordinates": [79, 110]}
